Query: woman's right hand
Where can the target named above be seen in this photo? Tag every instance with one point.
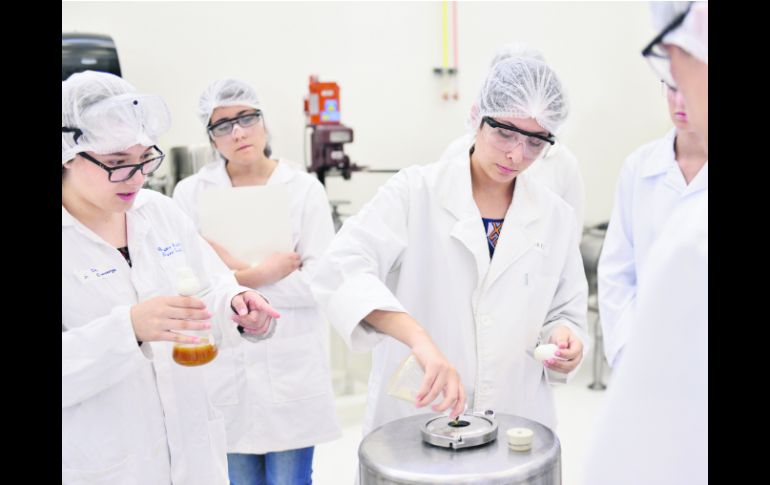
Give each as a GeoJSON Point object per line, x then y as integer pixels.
{"type": "Point", "coordinates": [158, 318]}
{"type": "Point", "coordinates": [440, 377]}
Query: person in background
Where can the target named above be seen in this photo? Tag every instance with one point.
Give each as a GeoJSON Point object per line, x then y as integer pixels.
{"type": "Point", "coordinates": [287, 392]}
{"type": "Point", "coordinates": [130, 414]}
{"type": "Point", "coordinates": [653, 427]}
{"type": "Point", "coordinates": [654, 180]}
{"type": "Point", "coordinates": [679, 55]}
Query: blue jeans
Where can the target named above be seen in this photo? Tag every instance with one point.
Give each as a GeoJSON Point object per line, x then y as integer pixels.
{"type": "Point", "coordinates": [290, 467]}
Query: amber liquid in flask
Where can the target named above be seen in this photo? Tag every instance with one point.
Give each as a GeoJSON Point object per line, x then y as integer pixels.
{"type": "Point", "coordinates": [205, 350]}
{"type": "Point", "coordinates": [195, 354]}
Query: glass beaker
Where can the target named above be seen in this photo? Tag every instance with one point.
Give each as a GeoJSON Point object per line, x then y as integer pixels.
{"type": "Point", "coordinates": [205, 350]}
{"type": "Point", "coordinates": [407, 379]}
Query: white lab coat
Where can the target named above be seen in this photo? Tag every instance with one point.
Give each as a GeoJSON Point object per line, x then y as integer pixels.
{"type": "Point", "coordinates": [650, 188]}
{"type": "Point", "coordinates": [419, 246]}
{"type": "Point", "coordinates": [559, 171]}
{"type": "Point", "coordinates": [130, 414]}
{"type": "Point", "coordinates": [653, 427]}
{"type": "Point", "coordinates": [284, 382]}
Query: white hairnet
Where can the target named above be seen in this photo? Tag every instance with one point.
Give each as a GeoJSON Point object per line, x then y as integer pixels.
{"type": "Point", "coordinates": [226, 92]}
{"type": "Point", "coordinates": [692, 34]}
{"type": "Point", "coordinates": [517, 49]}
{"type": "Point", "coordinates": [522, 88]}
{"type": "Point", "coordinates": [108, 114]}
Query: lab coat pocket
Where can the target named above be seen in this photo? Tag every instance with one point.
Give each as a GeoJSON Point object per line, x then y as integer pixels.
{"type": "Point", "coordinates": [111, 475]}
{"type": "Point", "coordinates": [541, 295]}
{"type": "Point", "coordinates": [296, 368]}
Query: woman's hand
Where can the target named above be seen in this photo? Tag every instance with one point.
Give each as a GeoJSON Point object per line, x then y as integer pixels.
{"type": "Point", "coordinates": [440, 377]}
{"type": "Point", "coordinates": [274, 268]}
{"type": "Point", "coordinates": [278, 266]}
{"type": "Point", "coordinates": [253, 313]}
{"type": "Point", "coordinates": [159, 318]}
{"type": "Point", "coordinates": [570, 349]}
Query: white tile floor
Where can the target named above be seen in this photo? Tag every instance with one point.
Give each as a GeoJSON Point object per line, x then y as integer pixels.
{"type": "Point", "coordinates": [576, 408]}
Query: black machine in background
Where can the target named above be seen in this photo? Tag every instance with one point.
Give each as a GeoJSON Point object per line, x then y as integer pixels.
{"type": "Point", "coordinates": [322, 110]}
{"type": "Point", "coordinates": [328, 152]}
{"type": "Point", "coordinates": [88, 52]}
{"type": "Point", "coordinates": [328, 135]}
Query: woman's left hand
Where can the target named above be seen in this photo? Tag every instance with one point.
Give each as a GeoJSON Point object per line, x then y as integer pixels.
{"type": "Point", "coordinates": [253, 313]}
{"type": "Point", "coordinates": [570, 349]}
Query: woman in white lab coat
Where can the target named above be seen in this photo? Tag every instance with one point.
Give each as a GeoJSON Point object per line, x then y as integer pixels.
{"type": "Point", "coordinates": [558, 169]}
{"type": "Point", "coordinates": [654, 180]}
{"type": "Point", "coordinates": [129, 413]}
{"type": "Point", "coordinates": [287, 392]}
{"type": "Point", "coordinates": [469, 264]}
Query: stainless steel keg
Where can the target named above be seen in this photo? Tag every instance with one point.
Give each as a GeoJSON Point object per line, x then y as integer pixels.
{"type": "Point", "coordinates": [421, 449]}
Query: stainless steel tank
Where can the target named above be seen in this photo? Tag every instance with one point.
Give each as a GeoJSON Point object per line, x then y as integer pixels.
{"type": "Point", "coordinates": [186, 160]}
{"type": "Point", "coordinates": [590, 249]}
{"type": "Point", "coordinates": [396, 453]}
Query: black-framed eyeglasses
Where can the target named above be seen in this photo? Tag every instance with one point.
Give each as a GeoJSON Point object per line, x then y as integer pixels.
{"type": "Point", "coordinates": [225, 126]}
{"type": "Point", "coordinates": [658, 56]}
{"type": "Point", "coordinates": [124, 172]}
{"type": "Point", "coordinates": [665, 88]}
{"type": "Point", "coordinates": [506, 137]}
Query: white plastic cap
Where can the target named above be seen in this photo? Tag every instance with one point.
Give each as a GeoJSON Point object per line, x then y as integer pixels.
{"type": "Point", "coordinates": [187, 283]}
{"type": "Point", "coordinates": [520, 439]}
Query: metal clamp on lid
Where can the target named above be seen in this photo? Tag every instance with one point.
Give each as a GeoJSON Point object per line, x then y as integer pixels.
{"type": "Point", "coordinates": [465, 431]}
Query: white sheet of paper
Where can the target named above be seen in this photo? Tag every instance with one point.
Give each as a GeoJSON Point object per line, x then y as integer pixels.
{"type": "Point", "coordinates": [250, 222]}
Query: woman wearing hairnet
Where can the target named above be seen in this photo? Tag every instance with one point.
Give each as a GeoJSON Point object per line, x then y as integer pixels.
{"type": "Point", "coordinates": [653, 427]}
{"type": "Point", "coordinates": [469, 264]}
{"type": "Point", "coordinates": [129, 413]}
{"type": "Point", "coordinates": [287, 391]}
{"type": "Point", "coordinates": [558, 169]}
{"type": "Point", "coordinates": [655, 180]}
{"type": "Point", "coordinates": [679, 55]}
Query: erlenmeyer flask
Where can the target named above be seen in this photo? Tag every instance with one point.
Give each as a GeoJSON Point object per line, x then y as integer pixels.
{"type": "Point", "coordinates": [205, 350]}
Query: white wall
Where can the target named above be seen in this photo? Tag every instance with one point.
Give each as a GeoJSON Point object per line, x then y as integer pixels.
{"type": "Point", "coordinates": [382, 55]}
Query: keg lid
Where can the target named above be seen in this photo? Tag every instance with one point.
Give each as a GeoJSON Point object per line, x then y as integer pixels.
{"type": "Point", "coordinates": [465, 431]}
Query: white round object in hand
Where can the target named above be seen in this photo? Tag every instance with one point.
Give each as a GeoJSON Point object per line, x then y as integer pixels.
{"type": "Point", "coordinates": [545, 352]}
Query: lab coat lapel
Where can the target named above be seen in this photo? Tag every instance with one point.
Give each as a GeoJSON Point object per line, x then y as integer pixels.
{"type": "Point", "coordinates": [515, 239]}
{"type": "Point", "coordinates": [470, 232]}
{"type": "Point", "coordinates": [282, 174]}
{"type": "Point", "coordinates": [138, 227]}
{"type": "Point", "coordinates": [457, 198]}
